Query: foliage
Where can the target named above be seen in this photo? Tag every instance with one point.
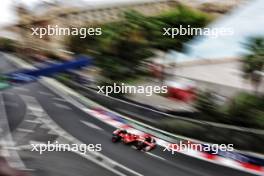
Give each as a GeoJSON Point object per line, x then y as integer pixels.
{"type": "Point", "coordinates": [183, 16]}
{"type": "Point", "coordinates": [124, 45]}
{"type": "Point", "coordinates": [7, 44]}
{"type": "Point", "coordinates": [253, 62]}
{"type": "Point", "coordinates": [122, 51]}
{"type": "Point", "coordinates": [245, 109]}
{"type": "Point", "coordinates": [206, 103]}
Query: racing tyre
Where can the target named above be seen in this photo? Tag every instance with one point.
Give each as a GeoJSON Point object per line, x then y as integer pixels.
{"type": "Point", "coordinates": [116, 138]}
{"type": "Point", "coordinates": [140, 146]}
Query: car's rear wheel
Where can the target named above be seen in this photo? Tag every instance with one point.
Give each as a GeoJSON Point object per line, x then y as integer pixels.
{"type": "Point", "coordinates": [116, 138]}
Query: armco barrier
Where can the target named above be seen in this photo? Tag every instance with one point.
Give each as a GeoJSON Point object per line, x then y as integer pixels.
{"type": "Point", "coordinates": [118, 121]}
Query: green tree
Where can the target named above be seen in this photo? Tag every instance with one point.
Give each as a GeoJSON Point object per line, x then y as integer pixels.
{"type": "Point", "coordinates": [120, 49]}
{"type": "Point", "coordinates": [206, 104]}
{"type": "Point", "coordinates": [253, 62]}
{"type": "Point", "coordinates": [123, 49]}
{"type": "Point", "coordinates": [7, 44]}
{"type": "Point", "coordinates": [124, 45]}
{"type": "Point", "coordinates": [247, 110]}
{"type": "Point", "coordinates": [88, 45]}
{"type": "Point", "coordinates": [181, 16]}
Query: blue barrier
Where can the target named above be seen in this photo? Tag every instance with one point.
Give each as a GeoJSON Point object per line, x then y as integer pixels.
{"type": "Point", "coordinates": [28, 75]}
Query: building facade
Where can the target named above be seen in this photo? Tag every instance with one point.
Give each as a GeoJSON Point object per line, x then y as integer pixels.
{"type": "Point", "coordinates": [77, 17]}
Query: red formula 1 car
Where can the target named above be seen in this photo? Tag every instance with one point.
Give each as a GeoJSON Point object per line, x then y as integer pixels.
{"type": "Point", "coordinates": [144, 143]}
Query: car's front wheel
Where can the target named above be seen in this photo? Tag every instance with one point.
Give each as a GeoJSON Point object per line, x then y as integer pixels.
{"type": "Point", "coordinates": [140, 145]}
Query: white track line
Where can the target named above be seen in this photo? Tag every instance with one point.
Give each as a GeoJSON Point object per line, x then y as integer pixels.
{"type": "Point", "coordinates": [25, 130]}
{"type": "Point", "coordinates": [62, 106]}
{"type": "Point", "coordinates": [22, 89]}
{"type": "Point", "coordinates": [156, 156]}
{"type": "Point", "coordinates": [91, 125]}
{"type": "Point", "coordinates": [33, 121]}
{"type": "Point", "coordinates": [45, 93]}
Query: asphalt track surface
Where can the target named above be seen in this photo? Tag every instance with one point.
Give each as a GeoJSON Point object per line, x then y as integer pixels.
{"type": "Point", "coordinates": [71, 119]}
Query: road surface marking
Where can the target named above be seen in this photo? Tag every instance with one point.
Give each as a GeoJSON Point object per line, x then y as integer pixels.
{"type": "Point", "coordinates": [52, 132]}
{"type": "Point", "coordinates": [25, 130]}
{"type": "Point", "coordinates": [28, 169]}
{"type": "Point", "coordinates": [22, 89]}
{"type": "Point", "coordinates": [106, 166]}
{"type": "Point", "coordinates": [156, 156]}
{"type": "Point", "coordinates": [114, 163]}
{"type": "Point", "coordinates": [45, 93]}
{"type": "Point", "coordinates": [91, 125]}
{"type": "Point", "coordinates": [33, 121]}
{"type": "Point", "coordinates": [13, 159]}
{"type": "Point", "coordinates": [59, 99]}
{"type": "Point", "coordinates": [62, 106]}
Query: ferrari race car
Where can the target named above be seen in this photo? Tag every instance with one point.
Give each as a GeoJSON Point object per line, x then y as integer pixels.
{"type": "Point", "coordinates": [143, 143]}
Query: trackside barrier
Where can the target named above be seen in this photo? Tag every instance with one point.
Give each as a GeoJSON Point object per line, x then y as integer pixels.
{"type": "Point", "coordinates": [234, 160]}
{"type": "Point", "coordinates": [28, 75]}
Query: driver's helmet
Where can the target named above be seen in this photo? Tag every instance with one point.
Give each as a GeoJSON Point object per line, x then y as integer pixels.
{"type": "Point", "coordinates": [148, 138]}
{"type": "Point", "coordinates": [123, 131]}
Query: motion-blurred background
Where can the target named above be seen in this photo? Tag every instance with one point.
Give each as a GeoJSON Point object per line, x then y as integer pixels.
{"type": "Point", "coordinates": [215, 85]}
